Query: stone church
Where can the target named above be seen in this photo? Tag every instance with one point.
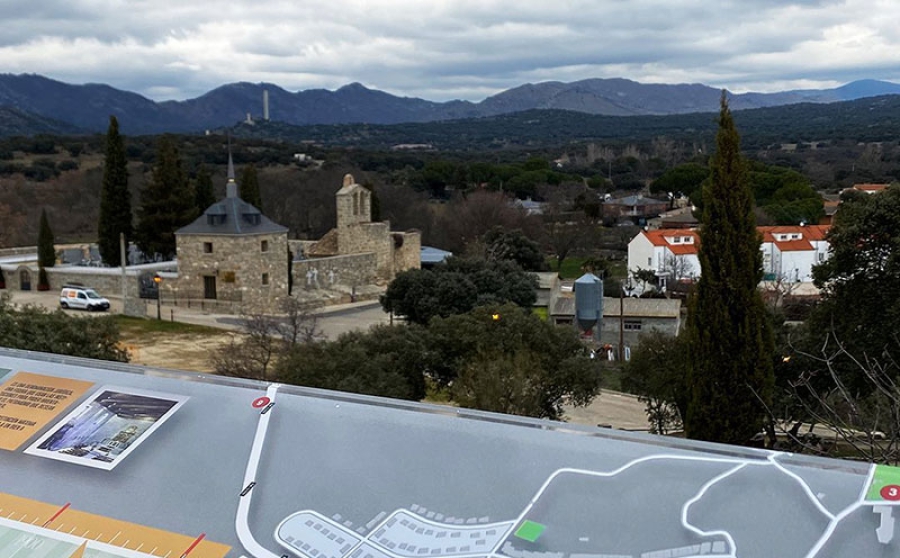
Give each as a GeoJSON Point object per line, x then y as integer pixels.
{"type": "Point", "coordinates": [236, 255]}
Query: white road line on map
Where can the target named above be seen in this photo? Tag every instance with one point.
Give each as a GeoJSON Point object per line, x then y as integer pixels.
{"type": "Point", "coordinates": [865, 487]}
{"type": "Point", "coordinates": [697, 497]}
{"type": "Point", "coordinates": [568, 470]}
{"type": "Point", "coordinates": [832, 525]}
{"type": "Point", "coordinates": [809, 493]}
{"type": "Point", "coordinates": [241, 523]}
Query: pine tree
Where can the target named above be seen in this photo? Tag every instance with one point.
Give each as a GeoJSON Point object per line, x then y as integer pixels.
{"type": "Point", "coordinates": [729, 333]}
{"type": "Point", "coordinates": [115, 200]}
{"type": "Point", "coordinates": [167, 202]}
{"type": "Point", "coordinates": [250, 187]}
{"type": "Point", "coordinates": [46, 251]}
{"type": "Point", "coordinates": [203, 190]}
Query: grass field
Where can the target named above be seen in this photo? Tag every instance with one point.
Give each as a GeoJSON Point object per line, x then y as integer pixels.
{"type": "Point", "coordinates": [132, 326]}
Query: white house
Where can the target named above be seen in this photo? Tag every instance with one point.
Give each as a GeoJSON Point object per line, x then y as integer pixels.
{"type": "Point", "coordinates": [789, 252]}
{"type": "Point", "coordinates": [670, 253]}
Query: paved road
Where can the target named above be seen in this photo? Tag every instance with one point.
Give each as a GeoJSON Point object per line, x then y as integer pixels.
{"type": "Point", "coordinates": [332, 320]}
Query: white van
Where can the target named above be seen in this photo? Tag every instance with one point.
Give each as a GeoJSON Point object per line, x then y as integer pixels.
{"type": "Point", "coordinates": [83, 298]}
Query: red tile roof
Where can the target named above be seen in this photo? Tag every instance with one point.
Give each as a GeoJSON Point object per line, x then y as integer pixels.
{"type": "Point", "coordinates": [808, 234]}
{"type": "Point", "coordinates": [794, 245]}
{"type": "Point", "coordinates": [659, 237]}
{"type": "Point", "coordinates": [868, 187]}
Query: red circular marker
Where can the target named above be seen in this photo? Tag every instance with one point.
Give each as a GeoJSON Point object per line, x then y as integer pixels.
{"type": "Point", "coordinates": [261, 402]}
{"type": "Point", "coordinates": [891, 492]}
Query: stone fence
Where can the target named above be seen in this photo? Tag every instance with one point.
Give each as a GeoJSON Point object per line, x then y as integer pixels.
{"type": "Point", "coordinates": [351, 270]}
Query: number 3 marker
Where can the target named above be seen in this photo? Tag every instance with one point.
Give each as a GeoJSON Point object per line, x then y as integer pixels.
{"type": "Point", "coordinates": [891, 492]}
{"type": "Point", "coordinates": [261, 402]}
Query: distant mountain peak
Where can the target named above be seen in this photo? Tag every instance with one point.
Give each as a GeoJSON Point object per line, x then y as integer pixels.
{"type": "Point", "coordinates": [87, 107]}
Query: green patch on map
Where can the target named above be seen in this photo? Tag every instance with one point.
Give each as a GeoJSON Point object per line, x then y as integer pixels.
{"type": "Point", "coordinates": [4, 372]}
{"type": "Point", "coordinates": [530, 531]}
{"type": "Point", "coordinates": [885, 484]}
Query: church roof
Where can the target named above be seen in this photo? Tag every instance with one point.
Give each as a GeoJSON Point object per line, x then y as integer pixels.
{"type": "Point", "coordinates": [232, 215]}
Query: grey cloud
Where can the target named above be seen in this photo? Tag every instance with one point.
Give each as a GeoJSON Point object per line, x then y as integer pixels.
{"type": "Point", "coordinates": [443, 49]}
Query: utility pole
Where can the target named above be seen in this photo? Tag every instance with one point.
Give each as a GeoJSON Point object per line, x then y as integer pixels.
{"type": "Point", "coordinates": [122, 259]}
{"type": "Point", "coordinates": [622, 324]}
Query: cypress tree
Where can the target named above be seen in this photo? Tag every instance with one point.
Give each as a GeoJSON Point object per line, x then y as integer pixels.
{"type": "Point", "coordinates": [203, 190]}
{"type": "Point", "coordinates": [167, 202]}
{"type": "Point", "coordinates": [115, 200]}
{"type": "Point", "coordinates": [46, 251]}
{"type": "Point", "coordinates": [729, 333]}
{"type": "Point", "coordinates": [250, 187]}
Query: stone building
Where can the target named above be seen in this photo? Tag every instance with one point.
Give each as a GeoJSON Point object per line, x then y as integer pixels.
{"type": "Point", "coordinates": [357, 234]}
{"type": "Point", "coordinates": [232, 253]}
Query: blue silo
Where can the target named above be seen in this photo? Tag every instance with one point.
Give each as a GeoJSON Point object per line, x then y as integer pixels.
{"type": "Point", "coordinates": [588, 303]}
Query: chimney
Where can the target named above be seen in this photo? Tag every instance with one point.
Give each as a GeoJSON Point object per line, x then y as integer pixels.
{"type": "Point", "coordinates": [266, 105]}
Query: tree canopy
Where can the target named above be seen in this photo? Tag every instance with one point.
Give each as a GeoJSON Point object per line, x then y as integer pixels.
{"type": "Point", "coordinates": [860, 281]}
{"type": "Point", "coordinates": [203, 189]}
{"type": "Point", "coordinates": [167, 202]}
{"type": "Point", "coordinates": [513, 245]}
{"type": "Point", "coordinates": [249, 185]}
{"type": "Point", "coordinates": [730, 344]}
{"type": "Point", "coordinates": [504, 358]}
{"type": "Point", "coordinates": [115, 199]}
{"type": "Point", "coordinates": [385, 361]}
{"type": "Point", "coordinates": [33, 328]}
{"type": "Point", "coordinates": [46, 250]}
{"type": "Point", "coordinates": [457, 286]}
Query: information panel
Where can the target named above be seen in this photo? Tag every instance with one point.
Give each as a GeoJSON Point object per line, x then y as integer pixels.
{"type": "Point", "coordinates": [29, 402]}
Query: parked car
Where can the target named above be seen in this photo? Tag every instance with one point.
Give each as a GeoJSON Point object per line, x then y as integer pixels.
{"type": "Point", "coordinates": [83, 298]}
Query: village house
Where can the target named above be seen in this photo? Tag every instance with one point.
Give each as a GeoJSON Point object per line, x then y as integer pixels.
{"type": "Point", "coordinates": [632, 209]}
{"type": "Point", "coordinates": [789, 252]}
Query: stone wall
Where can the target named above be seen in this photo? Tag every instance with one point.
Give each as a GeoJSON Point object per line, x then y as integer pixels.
{"type": "Point", "coordinates": [369, 237]}
{"type": "Point", "coordinates": [18, 251]}
{"type": "Point", "coordinates": [107, 281]}
{"type": "Point", "coordinates": [243, 271]}
{"type": "Point", "coordinates": [408, 255]}
{"type": "Point", "coordinates": [351, 271]}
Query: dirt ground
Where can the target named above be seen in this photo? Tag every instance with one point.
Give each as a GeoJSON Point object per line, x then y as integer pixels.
{"type": "Point", "coordinates": [189, 352]}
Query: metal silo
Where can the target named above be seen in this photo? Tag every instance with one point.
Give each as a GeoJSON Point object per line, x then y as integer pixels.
{"type": "Point", "coordinates": [588, 302]}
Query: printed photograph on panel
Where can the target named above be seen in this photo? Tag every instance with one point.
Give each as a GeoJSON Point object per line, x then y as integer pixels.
{"type": "Point", "coordinates": [107, 427]}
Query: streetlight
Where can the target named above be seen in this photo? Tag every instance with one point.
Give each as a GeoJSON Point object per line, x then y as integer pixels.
{"type": "Point", "coordinates": [158, 280]}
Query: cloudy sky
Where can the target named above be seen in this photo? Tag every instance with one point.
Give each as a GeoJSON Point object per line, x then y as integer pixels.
{"type": "Point", "coordinates": [449, 49]}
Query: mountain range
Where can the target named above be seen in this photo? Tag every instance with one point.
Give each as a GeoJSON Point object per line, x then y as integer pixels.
{"type": "Point", "coordinates": [37, 104]}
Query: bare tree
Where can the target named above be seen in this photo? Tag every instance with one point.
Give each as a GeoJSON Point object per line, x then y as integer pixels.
{"type": "Point", "coordinates": [264, 339]}
{"type": "Point", "coordinates": [868, 423]}
{"type": "Point", "coordinates": [299, 325]}
{"type": "Point", "coordinates": [249, 354]}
